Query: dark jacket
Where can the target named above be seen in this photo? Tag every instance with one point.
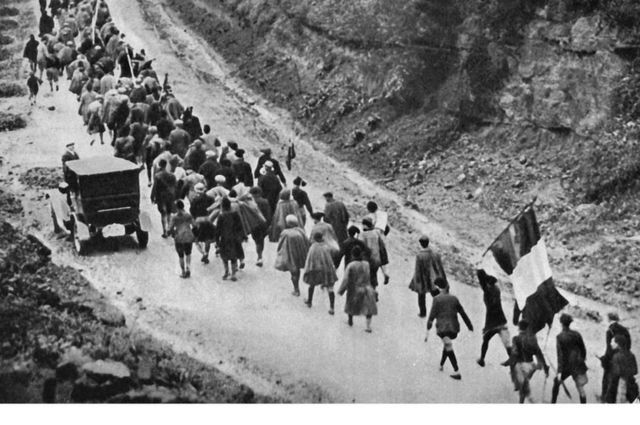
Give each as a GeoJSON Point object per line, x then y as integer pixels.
{"type": "Point", "coordinates": [194, 159]}
{"type": "Point", "coordinates": [271, 188]}
{"type": "Point", "coordinates": [444, 311]}
{"type": "Point", "coordinates": [242, 171]}
{"type": "Point", "coordinates": [614, 329]}
{"type": "Point", "coordinates": [301, 197]}
{"type": "Point", "coordinates": [164, 187]}
{"type": "Point", "coordinates": [336, 214]}
{"type": "Point", "coordinates": [525, 348]}
{"type": "Point", "coordinates": [276, 168]}
{"type": "Point", "coordinates": [31, 50]}
{"type": "Point", "coordinates": [199, 205]}
{"type": "Point", "coordinates": [623, 366]}
{"type": "Point", "coordinates": [265, 209]}
{"type": "Point", "coordinates": [230, 177]}
{"type": "Point", "coordinates": [209, 170]}
{"type": "Point", "coordinates": [571, 353]}
{"type": "Point", "coordinates": [428, 267]}
{"type": "Point", "coordinates": [492, 298]}
{"type": "Point", "coordinates": [347, 247]}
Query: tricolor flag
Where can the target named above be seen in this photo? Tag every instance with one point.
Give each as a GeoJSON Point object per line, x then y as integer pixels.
{"type": "Point", "coordinates": [521, 253]}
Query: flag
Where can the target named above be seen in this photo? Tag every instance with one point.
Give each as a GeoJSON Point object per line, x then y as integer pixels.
{"type": "Point", "coordinates": [521, 253]}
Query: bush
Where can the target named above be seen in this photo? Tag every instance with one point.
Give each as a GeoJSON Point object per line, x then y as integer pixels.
{"type": "Point", "coordinates": [9, 11]}
{"type": "Point", "coordinates": [5, 39]}
{"type": "Point", "coordinates": [10, 122]}
{"type": "Point", "coordinates": [11, 90]}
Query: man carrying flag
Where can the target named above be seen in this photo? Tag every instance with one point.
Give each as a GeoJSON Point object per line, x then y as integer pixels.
{"type": "Point", "coordinates": [521, 253]}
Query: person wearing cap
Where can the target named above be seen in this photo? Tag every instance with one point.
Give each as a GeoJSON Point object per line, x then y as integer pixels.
{"type": "Point", "coordinates": [195, 156]}
{"type": "Point", "coordinates": [259, 233]}
{"type": "Point", "coordinates": [270, 185]}
{"type": "Point", "coordinates": [571, 359]}
{"type": "Point", "coordinates": [495, 322]}
{"type": "Point", "coordinates": [319, 270]}
{"type": "Point", "coordinates": [292, 251]}
{"type": "Point", "coordinates": [328, 234]}
{"type": "Point", "coordinates": [615, 328]}
{"type": "Point", "coordinates": [336, 214]}
{"type": "Point", "coordinates": [163, 193]}
{"type": "Point", "coordinates": [179, 139]}
{"type": "Point", "coordinates": [275, 165]}
{"type": "Point", "coordinates": [379, 257]}
{"type": "Point", "coordinates": [189, 182]}
{"type": "Point", "coordinates": [361, 297]}
{"type": "Point", "coordinates": [524, 349]}
{"type": "Point", "coordinates": [229, 235]}
{"type": "Point", "coordinates": [218, 191]}
{"type": "Point", "coordinates": [622, 386]}
{"type": "Point", "coordinates": [347, 248]}
{"type": "Point", "coordinates": [69, 154]}
{"type": "Point", "coordinates": [242, 169]}
{"type": "Point", "coordinates": [209, 168]}
{"type": "Point", "coordinates": [302, 198]}
{"type": "Point", "coordinates": [427, 269]}
{"type": "Point", "coordinates": [181, 228]}
{"type": "Point", "coordinates": [444, 311]}
{"type": "Point", "coordinates": [204, 229]}
{"type": "Point", "coordinates": [286, 206]}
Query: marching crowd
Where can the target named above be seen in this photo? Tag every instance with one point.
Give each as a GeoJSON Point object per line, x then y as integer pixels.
{"type": "Point", "coordinates": [210, 197]}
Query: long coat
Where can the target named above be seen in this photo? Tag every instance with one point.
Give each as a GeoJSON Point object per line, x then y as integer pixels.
{"type": "Point", "coordinates": [292, 251]}
{"type": "Point", "coordinates": [428, 268]}
{"type": "Point", "coordinates": [335, 213]}
{"type": "Point", "coordinates": [319, 268]}
{"type": "Point", "coordinates": [571, 353]}
{"type": "Point", "coordinates": [229, 236]}
{"type": "Point", "coordinates": [271, 188]}
{"type": "Point", "coordinates": [278, 224]}
{"type": "Point", "coordinates": [361, 297]}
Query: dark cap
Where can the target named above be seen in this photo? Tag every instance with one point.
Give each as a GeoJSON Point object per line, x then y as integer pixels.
{"type": "Point", "coordinates": [328, 195]}
{"type": "Point", "coordinates": [613, 316]}
{"type": "Point", "coordinates": [317, 215]}
{"type": "Point", "coordinates": [240, 153]}
{"type": "Point", "coordinates": [367, 222]}
{"type": "Point", "coordinates": [523, 325]}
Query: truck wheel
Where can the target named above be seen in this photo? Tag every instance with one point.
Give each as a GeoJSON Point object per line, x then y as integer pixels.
{"type": "Point", "coordinates": [78, 244]}
{"type": "Point", "coordinates": [143, 238]}
{"type": "Point", "coordinates": [56, 227]}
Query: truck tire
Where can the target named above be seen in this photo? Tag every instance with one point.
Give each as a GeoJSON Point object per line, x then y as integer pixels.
{"type": "Point", "coordinates": [80, 246]}
{"type": "Point", "coordinates": [143, 238]}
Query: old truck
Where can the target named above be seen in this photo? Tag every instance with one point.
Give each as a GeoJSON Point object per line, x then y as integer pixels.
{"type": "Point", "coordinates": [99, 192]}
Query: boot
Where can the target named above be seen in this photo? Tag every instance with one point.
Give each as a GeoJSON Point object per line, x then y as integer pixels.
{"type": "Point", "coordinates": [332, 300]}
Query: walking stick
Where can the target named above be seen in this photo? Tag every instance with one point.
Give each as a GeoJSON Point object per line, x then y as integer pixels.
{"type": "Point", "coordinates": [546, 377]}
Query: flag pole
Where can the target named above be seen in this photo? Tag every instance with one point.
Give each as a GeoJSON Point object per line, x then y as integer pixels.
{"type": "Point", "coordinates": [94, 23]}
{"type": "Point", "coordinates": [535, 198]}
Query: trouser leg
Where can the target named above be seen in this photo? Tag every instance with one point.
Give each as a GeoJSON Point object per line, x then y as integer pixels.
{"type": "Point", "coordinates": [422, 304]}
{"type": "Point", "coordinates": [295, 280]}
{"type": "Point", "coordinates": [310, 295]}
{"type": "Point", "coordinates": [332, 299]}
{"type": "Point", "coordinates": [555, 390]}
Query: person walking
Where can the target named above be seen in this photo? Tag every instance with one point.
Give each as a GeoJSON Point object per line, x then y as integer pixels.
{"type": "Point", "coordinates": [622, 386]}
{"type": "Point", "coordinates": [302, 198]}
{"type": "Point", "coordinates": [229, 238]}
{"type": "Point", "coordinates": [181, 228]}
{"type": "Point", "coordinates": [275, 165]}
{"type": "Point", "coordinates": [292, 251]}
{"type": "Point", "coordinates": [286, 206]}
{"type": "Point", "coordinates": [319, 270]}
{"type": "Point", "coordinates": [524, 348]}
{"type": "Point", "coordinates": [615, 328]}
{"type": "Point", "coordinates": [336, 214]}
{"type": "Point", "coordinates": [31, 52]}
{"type": "Point", "coordinates": [163, 193]}
{"type": "Point", "coordinates": [269, 184]}
{"type": "Point", "coordinates": [33, 83]}
{"type": "Point", "coordinates": [69, 154]}
{"type": "Point", "coordinates": [495, 322]}
{"type": "Point", "coordinates": [379, 218]}
{"type": "Point", "coordinates": [259, 233]}
{"type": "Point", "coordinates": [444, 312]}
{"type": "Point", "coordinates": [427, 269]}
{"type": "Point", "coordinates": [361, 298]}
{"type": "Point", "coordinates": [242, 169]}
{"type": "Point", "coordinates": [346, 251]}
{"type": "Point", "coordinates": [571, 356]}
{"type": "Point", "coordinates": [204, 229]}
{"type": "Point", "coordinates": [209, 168]}
{"type": "Point", "coordinates": [376, 245]}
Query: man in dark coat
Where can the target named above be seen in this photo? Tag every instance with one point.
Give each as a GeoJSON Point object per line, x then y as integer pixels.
{"type": "Point", "coordinates": [226, 171]}
{"type": "Point", "coordinates": [445, 311]}
{"type": "Point", "coordinates": [351, 242]}
{"type": "Point", "coordinates": [163, 193]}
{"type": "Point", "coordinates": [270, 185]}
{"type": "Point", "coordinates": [33, 83]}
{"type": "Point", "coordinates": [622, 386]}
{"type": "Point", "coordinates": [524, 348]}
{"type": "Point", "coordinates": [615, 328]}
{"type": "Point", "coordinates": [495, 322]}
{"type": "Point", "coordinates": [241, 169]}
{"type": "Point", "coordinates": [31, 52]}
{"type": "Point", "coordinates": [428, 268]}
{"type": "Point", "coordinates": [229, 233]}
{"type": "Point", "coordinates": [259, 233]}
{"type": "Point", "coordinates": [191, 123]}
{"type": "Point", "coordinates": [209, 169]}
{"type": "Point", "coordinates": [46, 24]}
{"type": "Point", "coordinates": [275, 165]}
{"type": "Point", "coordinates": [195, 157]}
{"type": "Point", "coordinates": [336, 214]}
{"type": "Point", "coordinates": [69, 155]}
{"type": "Point", "coordinates": [179, 140]}
{"type": "Point", "coordinates": [302, 198]}
{"type": "Point", "coordinates": [571, 356]}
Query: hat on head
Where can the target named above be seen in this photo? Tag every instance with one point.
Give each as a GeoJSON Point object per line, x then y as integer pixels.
{"type": "Point", "coordinates": [220, 178]}
{"type": "Point", "coordinates": [291, 220]}
{"type": "Point", "coordinates": [566, 319]}
{"type": "Point", "coordinates": [423, 237]}
{"type": "Point", "coordinates": [298, 181]}
{"type": "Point", "coordinates": [178, 122]}
{"type": "Point", "coordinates": [485, 278]}
{"type": "Point", "coordinates": [70, 144]}
{"type": "Point", "coordinates": [232, 145]}
{"type": "Point", "coordinates": [613, 316]}
{"type": "Point", "coordinates": [210, 154]}
{"type": "Point", "coordinates": [328, 195]}
{"type": "Point", "coordinates": [199, 187]}
{"type": "Point", "coordinates": [317, 215]}
{"type": "Point", "coordinates": [240, 153]}
{"type": "Point", "coordinates": [266, 151]}
{"type": "Point", "coordinates": [268, 164]}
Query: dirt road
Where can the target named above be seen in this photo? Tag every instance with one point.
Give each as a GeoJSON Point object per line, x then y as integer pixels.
{"type": "Point", "coordinates": [254, 329]}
